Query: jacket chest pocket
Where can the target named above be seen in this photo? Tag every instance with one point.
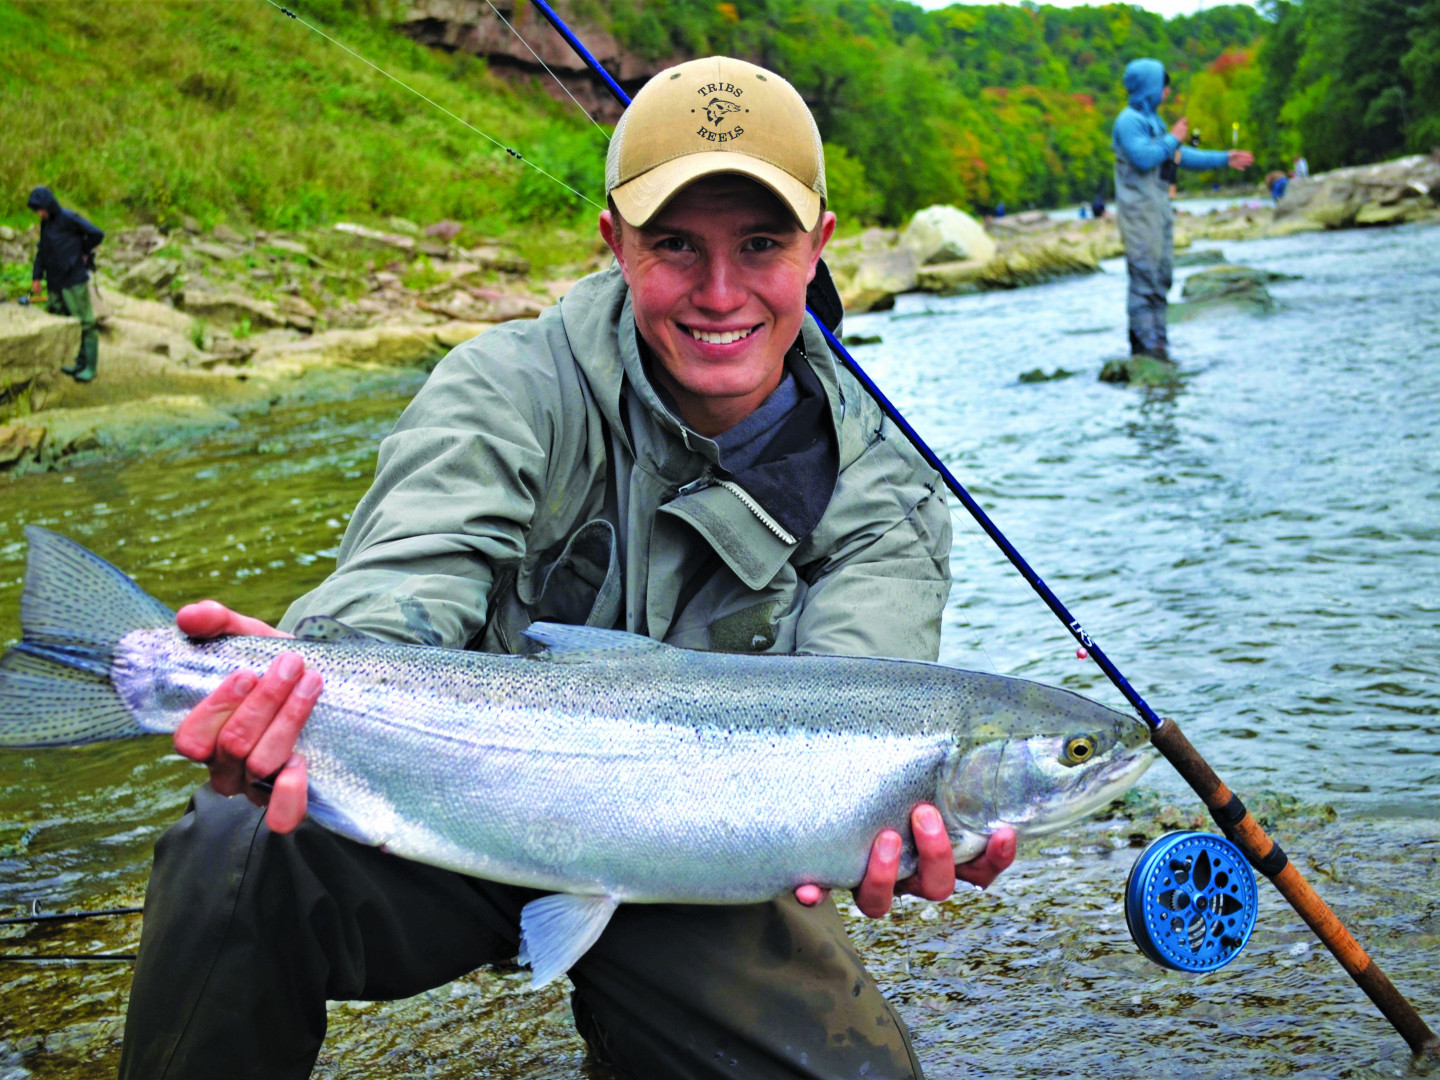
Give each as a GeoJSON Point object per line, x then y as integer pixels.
{"type": "Point", "coordinates": [582, 586]}
{"type": "Point", "coordinates": [723, 614]}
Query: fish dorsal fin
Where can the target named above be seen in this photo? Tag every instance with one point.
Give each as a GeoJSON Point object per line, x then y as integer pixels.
{"type": "Point", "coordinates": [556, 931]}
{"type": "Point", "coordinates": [324, 628]}
{"type": "Point", "coordinates": [578, 644]}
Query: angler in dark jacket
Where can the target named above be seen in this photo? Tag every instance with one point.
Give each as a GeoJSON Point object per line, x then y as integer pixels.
{"type": "Point", "coordinates": [64, 258]}
{"type": "Point", "coordinates": [1142, 198]}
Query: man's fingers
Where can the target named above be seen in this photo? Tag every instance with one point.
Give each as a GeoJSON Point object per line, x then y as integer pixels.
{"type": "Point", "coordinates": [242, 731]}
{"type": "Point", "coordinates": [287, 798]}
{"type": "Point", "coordinates": [195, 737]}
{"type": "Point", "coordinates": [210, 618]}
{"type": "Point", "coordinates": [811, 895]}
{"type": "Point", "coordinates": [877, 889]}
{"type": "Point", "coordinates": [277, 744]}
{"type": "Point", "coordinates": [934, 878]}
{"type": "Point", "coordinates": [998, 855]}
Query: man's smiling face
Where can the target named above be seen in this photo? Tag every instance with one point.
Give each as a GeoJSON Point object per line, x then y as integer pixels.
{"type": "Point", "coordinates": [717, 282]}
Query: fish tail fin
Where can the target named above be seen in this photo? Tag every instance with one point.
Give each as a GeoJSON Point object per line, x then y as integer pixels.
{"type": "Point", "coordinates": [55, 687]}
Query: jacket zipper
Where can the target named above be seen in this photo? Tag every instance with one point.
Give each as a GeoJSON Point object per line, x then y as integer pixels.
{"type": "Point", "coordinates": [709, 479]}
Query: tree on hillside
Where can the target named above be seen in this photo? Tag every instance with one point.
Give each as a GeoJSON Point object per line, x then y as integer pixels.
{"type": "Point", "coordinates": [1339, 76]}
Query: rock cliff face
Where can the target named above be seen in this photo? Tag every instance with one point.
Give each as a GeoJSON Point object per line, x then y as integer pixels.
{"type": "Point", "coordinates": [472, 26]}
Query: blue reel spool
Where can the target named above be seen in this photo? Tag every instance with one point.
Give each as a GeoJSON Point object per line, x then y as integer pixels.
{"type": "Point", "coordinates": [1190, 901]}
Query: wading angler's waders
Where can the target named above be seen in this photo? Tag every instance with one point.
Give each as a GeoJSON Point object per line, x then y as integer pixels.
{"type": "Point", "coordinates": [1225, 807]}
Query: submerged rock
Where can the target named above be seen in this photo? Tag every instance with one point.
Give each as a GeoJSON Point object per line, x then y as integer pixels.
{"type": "Point", "coordinates": [1140, 371]}
{"type": "Point", "coordinates": [1208, 257]}
{"type": "Point", "coordinates": [1038, 375]}
{"type": "Point", "coordinates": [1227, 284]}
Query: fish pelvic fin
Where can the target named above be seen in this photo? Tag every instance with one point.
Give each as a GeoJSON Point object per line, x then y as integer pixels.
{"type": "Point", "coordinates": [55, 687]}
{"type": "Point", "coordinates": [556, 931]}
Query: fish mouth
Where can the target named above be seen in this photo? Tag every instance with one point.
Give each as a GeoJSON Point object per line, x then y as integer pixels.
{"type": "Point", "coordinates": [1097, 789]}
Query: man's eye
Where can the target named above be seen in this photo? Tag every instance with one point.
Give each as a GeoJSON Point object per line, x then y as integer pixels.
{"type": "Point", "coordinates": [762, 243]}
{"type": "Point", "coordinates": [672, 243]}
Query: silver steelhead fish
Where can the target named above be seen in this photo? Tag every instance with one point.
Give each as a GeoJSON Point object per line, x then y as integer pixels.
{"type": "Point", "coordinates": [608, 767]}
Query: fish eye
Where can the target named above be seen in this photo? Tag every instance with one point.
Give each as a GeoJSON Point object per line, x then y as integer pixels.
{"type": "Point", "coordinates": [1078, 750]}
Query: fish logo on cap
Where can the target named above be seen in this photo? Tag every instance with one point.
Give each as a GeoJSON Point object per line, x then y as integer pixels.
{"type": "Point", "coordinates": [718, 110]}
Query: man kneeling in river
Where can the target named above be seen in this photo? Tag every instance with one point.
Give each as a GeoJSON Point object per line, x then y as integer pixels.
{"type": "Point", "coordinates": [673, 450]}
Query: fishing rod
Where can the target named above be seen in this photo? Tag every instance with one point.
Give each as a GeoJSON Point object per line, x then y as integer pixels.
{"type": "Point", "coordinates": [1229, 813]}
{"type": "Point", "coordinates": [66, 916]}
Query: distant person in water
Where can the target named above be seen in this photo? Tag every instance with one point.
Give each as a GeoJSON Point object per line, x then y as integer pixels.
{"type": "Point", "coordinates": [63, 259]}
{"type": "Point", "coordinates": [1097, 204]}
{"type": "Point", "coordinates": [1142, 200]}
{"type": "Point", "coordinates": [1301, 169]}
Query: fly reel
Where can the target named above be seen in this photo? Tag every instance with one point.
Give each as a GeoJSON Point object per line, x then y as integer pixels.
{"type": "Point", "coordinates": [1190, 901]}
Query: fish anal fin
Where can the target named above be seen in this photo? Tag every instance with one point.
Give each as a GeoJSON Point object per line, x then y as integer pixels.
{"type": "Point", "coordinates": [330, 816]}
{"type": "Point", "coordinates": [578, 644]}
{"type": "Point", "coordinates": [556, 931]}
{"type": "Point", "coordinates": [324, 628]}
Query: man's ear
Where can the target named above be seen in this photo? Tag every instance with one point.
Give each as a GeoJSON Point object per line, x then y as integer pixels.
{"type": "Point", "coordinates": [611, 233]}
{"type": "Point", "coordinates": [821, 237]}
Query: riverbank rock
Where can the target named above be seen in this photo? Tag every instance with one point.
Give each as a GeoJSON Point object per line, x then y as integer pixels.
{"type": "Point", "coordinates": [34, 344]}
{"type": "Point", "coordinates": [231, 309]}
{"type": "Point", "coordinates": [1390, 193]}
{"type": "Point", "coordinates": [964, 275]}
{"type": "Point", "coordinates": [20, 441]}
{"type": "Point", "coordinates": [377, 346]}
{"type": "Point", "coordinates": [870, 271]}
{"type": "Point", "coordinates": [1035, 262]}
{"type": "Point", "coordinates": [946, 234]}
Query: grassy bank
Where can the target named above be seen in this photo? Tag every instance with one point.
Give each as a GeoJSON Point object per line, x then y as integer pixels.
{"type": "Point", "coordinates": [231, 112]}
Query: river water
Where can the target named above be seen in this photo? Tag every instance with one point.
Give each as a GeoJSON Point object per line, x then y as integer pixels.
{"type": "Point", "coordinates": [1256, 548]}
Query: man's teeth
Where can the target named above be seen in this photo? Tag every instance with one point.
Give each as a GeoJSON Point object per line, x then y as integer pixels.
{"type": "Point", "coordinates": [722, 338]}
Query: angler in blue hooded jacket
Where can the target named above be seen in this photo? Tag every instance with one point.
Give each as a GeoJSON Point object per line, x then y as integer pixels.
{"type": "Point", "coordinates": [1142, 198]}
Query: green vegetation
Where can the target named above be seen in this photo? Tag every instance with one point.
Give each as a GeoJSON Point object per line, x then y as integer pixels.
{"type": "Point", "coordinates": [232, 112]}
{"type": "Point", "coordinates": [1350, 81]}
{"type": "Point", "coordinates": [972, 105]}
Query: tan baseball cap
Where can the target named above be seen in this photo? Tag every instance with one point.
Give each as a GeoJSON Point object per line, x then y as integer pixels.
{"type": "Point", "coordinates": [716, 115]}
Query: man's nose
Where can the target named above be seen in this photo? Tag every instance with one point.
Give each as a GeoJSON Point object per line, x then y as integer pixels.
{"type": "Point", "coordinates": [720, 286]}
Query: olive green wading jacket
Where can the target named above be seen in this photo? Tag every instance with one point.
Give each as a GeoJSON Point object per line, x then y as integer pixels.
{"type": "Point", "coordinates": [538, 475]}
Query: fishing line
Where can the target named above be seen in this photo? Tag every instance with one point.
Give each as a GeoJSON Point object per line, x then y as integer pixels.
{"type": "Point", "coordinates": [552, 74]}
{"type": "Point", "coordinates": [430, 101]}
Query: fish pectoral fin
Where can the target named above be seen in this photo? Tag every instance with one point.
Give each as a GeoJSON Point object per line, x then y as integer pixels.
{"type": "Point", "coordinates": [556, 931]}
{"type": "Point", "coordinates": [578, 644]}
{"type": "Point", "coordinates": [324, 628]}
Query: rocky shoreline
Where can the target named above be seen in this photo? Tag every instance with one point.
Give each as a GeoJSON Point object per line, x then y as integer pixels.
{"type": "Point", "coordinates": [200, 328]}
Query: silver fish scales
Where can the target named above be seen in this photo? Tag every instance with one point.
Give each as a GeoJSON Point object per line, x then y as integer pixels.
{"type": "Point", "coordinates": [608, 767]}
